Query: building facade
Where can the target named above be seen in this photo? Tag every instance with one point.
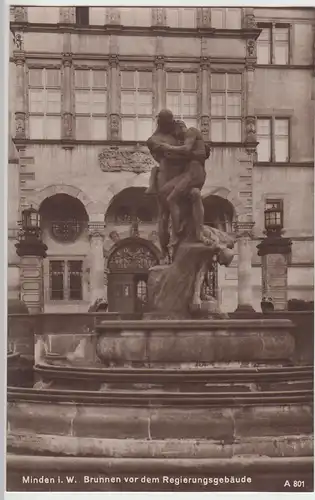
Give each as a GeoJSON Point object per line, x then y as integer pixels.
{"type": "Point", "coordinates": [86, 84]}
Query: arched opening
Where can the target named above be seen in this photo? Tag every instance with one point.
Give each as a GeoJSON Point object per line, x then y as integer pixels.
{"type": "Point", "coordinates": [219, 213]}
{"type": "Point", "coordinates": [64, 217]}
{"type": "Point", "coordinates": [128, 264]}
{"type": "Point", "coordinates": [132, 205]}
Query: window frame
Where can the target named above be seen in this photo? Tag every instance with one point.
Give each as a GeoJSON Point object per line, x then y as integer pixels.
{"type": "Point", "coordinates": [45, 88]}
{"type": "Point", "coordinates": [80, 12]}
{"type": "Point", "coordinates": [182, 92]}
{"type": "Point", "coordinates": [91, 90]}
{"type": "Point", "coordinates": [272, 138]}
{"type": "Point", "coordinates": [226, 117]}
{"type": "Point", "coordinates": [66, 280]}
{"type": "Point", "coordinates": [279, 202]}
{"type": "Point", "coordinates": [272, 56]}
{"type": "Point", "coordinates": [225, 12]}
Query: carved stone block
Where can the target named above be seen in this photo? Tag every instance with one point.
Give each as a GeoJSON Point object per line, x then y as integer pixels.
{"type": "Point", "coordinates": [205, 126]}
{"type": "Point", "coordinates": [67, 126]}
{"type": "Point", "coordinates": [20, 125]}
{"type": "Point", "coordinates": [113, 159]}
{"type": "Point", "coordinates": [114, 126]}
{"type": "Point", "coordinates": [250, 122]}
{"type": "Point", "coordinates": [251, 48]}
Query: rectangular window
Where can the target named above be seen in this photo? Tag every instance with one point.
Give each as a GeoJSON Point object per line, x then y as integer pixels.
{"type": "Point", "coordinates": [273, 44]}
{"type": "Point", "coordinates": [91, 104]}
{"type": "Point", "coordinates": [135, 16]}
{"type": "Point", "coordinates": [44, 103]}
{"type": "Point", "coordinates": [273, 138]}
{"type": "Point", "coordinates": [226, 107]}
{"type": "Point", "coordinates": [82, 16]}
{"type": "Point", "coordinates": [275, 217]}
{"type": "Point", "coordinates": [226, 18]}
{"type": "Point", "coordinates": [136, 105]}
{"type": "Point", "coordinates": [181, 18]}
{"type": "Point", "coordinates": [181, 96]}
{"type": "Point", "coordinates": [65, 280]}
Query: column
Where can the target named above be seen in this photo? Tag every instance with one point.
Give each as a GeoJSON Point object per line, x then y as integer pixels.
{"type": "Point", "coordinates": [20, 101]}
{"type": "Point", "coordinates": [97, 263]}
{"type": "Point", "coordinates": [251, 59]}
{"type": "Point", "coordinates": [244, 245]}
{"type": "Point", "coordinates": [160, 97]}
{"type": "Point", "coordinates": [205, 93]}
{"type": "Point", "coordinates": [67, 92]}
{"type": "Point", "coordinates": [114, 90]}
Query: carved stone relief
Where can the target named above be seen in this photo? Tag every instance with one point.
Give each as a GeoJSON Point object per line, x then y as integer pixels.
{"type": "Point", "coordinates": [20, 125]}
{"type": "Point", "coordinates": [20, 14]}
{"type": "Point", "coordinates": [113, 159]}
{"type": "Point", "coordinates": [114, 125]}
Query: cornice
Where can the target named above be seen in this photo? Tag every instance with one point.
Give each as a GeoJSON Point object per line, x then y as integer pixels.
{"type": "Point", "coordinates": [285, 66]}
{"type": "Point", "coordinates": [309, 164]}
{"type": "Point", "coordinates": [108, 29]}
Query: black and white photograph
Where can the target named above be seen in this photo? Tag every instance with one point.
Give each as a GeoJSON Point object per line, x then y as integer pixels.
{"type": "Point", "coordinates": [160, 233]}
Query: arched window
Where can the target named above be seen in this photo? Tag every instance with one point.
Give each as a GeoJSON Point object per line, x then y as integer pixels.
{"type": "Point", "coordinates": [132, 205]}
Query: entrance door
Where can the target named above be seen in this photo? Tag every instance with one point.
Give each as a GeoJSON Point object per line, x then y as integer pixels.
{"type": "Point", "coordinates": [121, 295]}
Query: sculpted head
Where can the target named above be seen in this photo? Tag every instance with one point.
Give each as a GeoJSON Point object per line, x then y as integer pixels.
{"type": "Point", "coordinates": [165, 121]}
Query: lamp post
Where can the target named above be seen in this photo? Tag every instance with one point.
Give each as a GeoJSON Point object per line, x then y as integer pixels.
{"type": "Point", "coordinates": [275, 251]}
{"type": "Point", "coordinates": [32, 251]}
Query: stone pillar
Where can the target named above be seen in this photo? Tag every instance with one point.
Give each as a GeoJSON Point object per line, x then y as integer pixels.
{"type": "Point", "coordinates": [97, 263]}
{"type": "Point", "coordinates": [114, 108]}
{"type": "Point", "coordinates": [244, 287]}
{"type": "Point", "coordinates": [67, 92]}
{"type": "Point", "coordinates": [275, 252]}
{"type": "Point", "coordinates": [205, 92]}
{"type": "Point", "coordinates": [20, 101]}
{"type": "Point", "coordinates": [160, 97]}
{"type": "Point", "coordinates": [13, 215]}
{"type": "Point", "coordinates": [32, 252]}
{"type": "Point", "coordinates": [250, 63]}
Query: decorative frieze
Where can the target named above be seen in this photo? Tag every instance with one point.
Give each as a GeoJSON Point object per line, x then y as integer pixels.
{"type": "Point", "coordinates": [114, 159]}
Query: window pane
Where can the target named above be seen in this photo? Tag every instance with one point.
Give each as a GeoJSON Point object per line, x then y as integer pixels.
{"type": "Point", "coordinates": [75, 280]}
{"type": "Point", "coordinates": [35, 77]}
{"type": "Point", "coordinates": [191, 122]}
{"type": "Point", "coordinates": [128, 79]}
{"type": "Point", "coordinates": [189, 81]}
{"type": "Point", "coordinates": [36, 127]}
{"type": "Point", "coordinates": [217, 18]}
{"type": "Point", "coordinates": [36, 101]}
{"type": "Point", "coordinates": [82, 102]}
{"type": "Point", "coordinates": [144, 129]}
{"type": "Point", "coordinates": [218, 105]}
{"type": "Point", "coordinates": [234, 81]}
{"type": "Point", "coordinates": [83, 127]}
{"type": "Point", "coordinates": [173, 81]}
{"type": "Point", "coordinates": [52, 127]}
{"type": "Point", "coordinates": [145, 80]}
{"type": "Point", "coordinates": [99, 79]}
{"type": "Point", "coordinates": [217, 130]}
{"type": "Point", "coordinates": [281, 54]}
{"type": "Point", "coordinates": [218, 81]}
{"type": "Point", "coordinates": [99, 103]}
{"type": "Point", "coordinates": [56, 275]}
{"type": "Point", "coordinates": [144, 103]}
{"type": "Point", "coordinates": [281, 149]}
{"type": "Point", "coordinates": [173, 103]}
{"type": "Point", "coordinates": [263, 53]}
{"type": "Point", "coordinates": [53, 101]}
{"type": "Point", "coordinates": [264, 148]}
{"type": "Point", "coordinates": [189, 104]}
{"type": "Point", "coordinates": [233, 131]}
{"type": "Point", "coordinates": [265, 35]}
{"type": "Point", "coordinates": [128, 129]}
{"type": "Point", "coordinates": [234, 105]}
{"type": "Point", "coordinates": [82, 78]}
{"type": "Point", "coordinates": [281, 34]}
{"type": "Point", "coordinates": [233, 19]}
{"type": "Point", "coordinates": [98, 128]}
{"type": "Point", "coordinates": [128, 103]}
{"type": "Point", "coordinates": [281, 127]}
{"type": "Point", "coordinates": [52, 77]}
{"type": "Point", "coordinates": [263, 127]}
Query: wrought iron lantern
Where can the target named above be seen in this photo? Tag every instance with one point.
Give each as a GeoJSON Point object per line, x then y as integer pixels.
{"type": "Point", "coordinates": [30, 242]}
{"type": "Point", "coordinates": [274, 220]}
{"type": "Point", "coordinates": [30, 220]}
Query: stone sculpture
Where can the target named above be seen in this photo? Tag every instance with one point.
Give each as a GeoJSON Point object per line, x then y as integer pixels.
{"type": "Point", "coordinates": [175, 290]}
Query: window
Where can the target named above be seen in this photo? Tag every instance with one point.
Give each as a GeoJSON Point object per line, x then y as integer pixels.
{"type": "Point", "coordinates": [226, 107]}
{"type": "Point", "coordinates": [91, 104]}
{"type": "Point", "coordinates": [181, 18]}
{"type": "Point", "coordinates": [273, 45]}
{"type": "Point", "coordinates": [135, 16]}
{"type": "Point", "coordinates": [97, 16]}
{"type": "Point", "coordinates": [226, 18]}
{"type": "Point", "coordinates": [273, 138]}
{"type": "Point", "coordinates": [136, 105]}
{"type": "Point", "coordinates": [44, 103]}
{"type": "Point", "coordinates": [82, 16]}
{"type": "Point", "coordinates": [275, 217]}
{"type": "Point", "coordinates": [65, 279]}
{"type": "Point", "coordinates": [181, 96]}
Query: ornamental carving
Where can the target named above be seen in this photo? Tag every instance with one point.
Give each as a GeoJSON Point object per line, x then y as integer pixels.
{"type": "Point", "coordinates": [113, 15]}
{"type": "Point", "coordinates": [133, 256]}
{"type": "Point", "coordinates": [113, 159]}
{"type": "Point", "coordinates": [18, 41]}
{"type": "Point", "coordinates": [204, 126]}
{"type": "Point", "coordinates": [206, 17]}
{"type": "Point", "coordinates": [250, 21]}
{"type": "Point", "coordinates": [20, 14]}
{"type": "Point", "coordinates": [159, 62]}
{"type": "Point", "coordinates": [67, 129]}
{"type": "Point", "coordinates": [20, 125]}
{"type": "Point", "coordinates": [251, 48]}
{"type": "Point", "coordinates": [250, 129]}
{"type": "Point", "coordinates": [114, 125]}
{"type": "Point", "coordinates": [158, 16]}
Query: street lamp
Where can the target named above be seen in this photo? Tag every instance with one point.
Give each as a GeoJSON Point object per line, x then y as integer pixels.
{"type": "Point", "coordinates": [31, 221]}
{"type": "Point", "coordinates": [30, 242]}
{"type": "Point", "coordinates": [273, 221]}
